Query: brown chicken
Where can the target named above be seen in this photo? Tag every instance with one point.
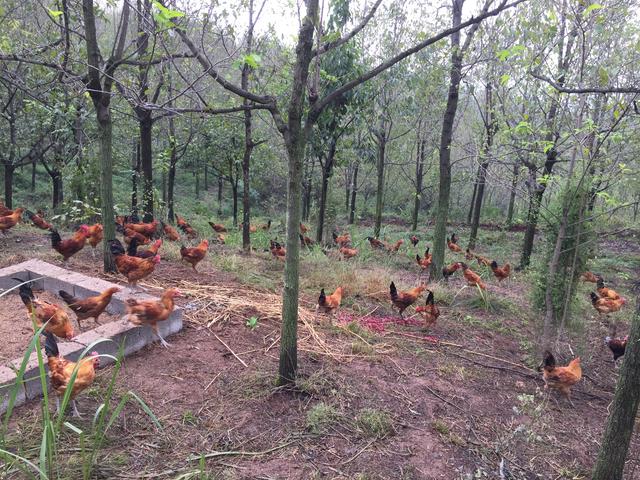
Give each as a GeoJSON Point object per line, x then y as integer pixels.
{"type": "Point", "coordinates": [277, 250]}
{"type": "Point", "coordinates": [425, 262]}
{"type": "Point", "coordinates": [453, 246]}
{"type": "Point", "coordinates": [560, 378]}
{"type": "Point", "coordinates": [468, 255]}
{"type": "Point", "coordinates": [96, 234]}
{"type": "Point", "coordinates": [59, 322]}
{"type": "Point", "coordinates": [61, 370]}
{"type": "Point", "coordinates": [605, 292]}
{"type": "Point", "coordinates": [589, 277]}
{"type": "Point", "coordinates": [38, 220]}
{"type": "Point", "coordinates": [134, 268]}
{"type": "Point", "coordinates": [188, 230]}
{"type": "Point", "coordinates": [376, 244]}
{"type": "Point", "coordinates": [90, 307]}
{"type": "Point", "coordinates": [266, 226]}
{"type": "Point", "coordinates": [129, 235]}
{"type": "Point", "coordinates": [221, 239]}
{"type": "Point", "coordinates": [253, 229]}
{"type": "Point", "coordinates": [11, 220]}
{"type": "Point", "coordinates": [430, 312]}
{"type": "Point", "coordinates": [500, 272]}
{"type": "Point", "coordinates": [450, 270]}
{"type": "Point", "coordinates": [395, 247]}
{"type": "Point", "coordinates": [403, 300]}
{"type": "Point", "coordinates": [303, 228]}
{"type": "Point", "coordinates": [617, 346]}
{"type": "Point", "coordinates": [152, 251]}
{"type": "Point", "coordinates": [347, 252]}
{"type": "Point", "coordinates": [69, 247]}
{"type": "Point", "coordinates": [472, 278]}
{"type": "Point", "coordinates": [150, 312]}
{"type": "Point", "coordinates": [485, 261]}
{"type": "Point", "coordinates": [146, 229]}
{"type": "Point", "coordinates": [170, 233]}
{"type": "Point", "coordinates": [330, 303]}
{"type": "Point", "coordinates": [414, 240]}
{"type": "Point", "coordinates": [342, 240]}
{"type": "Point", "coordinates": [4, 211]}
{"type": "Point", "coordinates": [305, 241]}
{"type": "Point", "coordinates": [194, 255]}
{"type": "Point", "coordinates": [218, 227]}
{"type": "Point", "coordinates": [605, 305]}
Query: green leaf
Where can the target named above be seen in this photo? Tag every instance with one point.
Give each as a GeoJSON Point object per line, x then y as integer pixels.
{"type": "Point", "coordinates": [603, 76]}
{"type": "Point", "coordinates": [504, 79]}
{"type": "Point", "coordinates": [253, 60]}
{"type": "Point", "coordinates": [55, 13]}
{"type": "Point", "coordinates": [503, 55]}
{"type": "Point", "coordinates": [591, 8]}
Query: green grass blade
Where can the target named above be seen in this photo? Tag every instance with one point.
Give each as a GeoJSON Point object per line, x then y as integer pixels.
{"type": "Point", "coordinates": [41, 474]}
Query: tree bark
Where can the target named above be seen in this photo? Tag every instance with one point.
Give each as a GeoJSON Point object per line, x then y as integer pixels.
{"type": "Point", "coordinates": [58, 195]}
{"type": "Point", "coordinates": [472, 203]}
{"type": "Point", "coordinates": [327, 172]}
{"type": "Point", "coordinates": [33, 176]}
{"type": "Point", "coordinates": [248, 144]}
{"type": "Point", "coordinates": [146, 163]}
{"type": "Point", "coordinates": [512, 194]}
{"type": "Point", "coordinates": [105, 135]}
{"type": "Point", "coordinates": [8, 185]}
{"type": "Point", "coordinates": [354, 191]}
{"type": "Point", "coordinates": [220, 185]}
{"type": "Point", "coordinates": [622, 419]}
{"type": "Point", "coordinates": [382, 144]}
{"type": "Point", "coordinates": [135, 169]}
{"type": "Point", "coordinates": [446, 136]}
{"type": "Point", "coordinates": [419, 174]}
{"type": "Point", "coordinates": [295, 140]}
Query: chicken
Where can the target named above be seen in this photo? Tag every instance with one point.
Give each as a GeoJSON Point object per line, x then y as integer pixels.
{"type": "Point", "coordinates": [266, 226]}
{"type": "Point", "coordinates": [11, 220]}
{"type": "Point", "coordinates": [468, 255]}
{"type": "Point", "coordinates": [152, 251]}
{"type": "Point", "coordinates": [218, 227]}
{"type": "Point", "coordinates": [170, 233]}
{"type": "Point", "coordinates": [134, 268]}
{"type": "Point", "coordinates": [395, 247]}
{"type": "Point", "coordinates": [129, 235]}
{"type": "Point", "coordinates": [146, 229]}
{"type": "Point", "coordinates": [252, 229]}
{"type": "Point", "coordinates": [96, 234]}
{"type": "Point", "coordinates": [38, 220]}
{"type": "Point", "coordinates": [560, 378]}
{"type": "Point", "coordinates": [185, 227]}
{"type": "Point", "coordinates": [4, 211]}
{"type": "Point", "coordinates": [348, 253]}
{"type": "Point", "coordinates": [590, 277]}
{"type": "Point", "coordinates": [194, 255]}
{"type": "Point", "coordinates": [430, 312]}
{"type": "Point", "coordinates": [376, 244]}
{"type": "Point", "coordinates": [454, 239]}
{"type": "Point", "coordinates": [403, 300]}
{"type": "Point", "coordinates": [303, 228]}
{"type": "Point", "coordinates": [90, 307]}
{"type": "Point", "coordinates": [617, 347]}
{"type": "Point", "coordinates": [43, 312]}
{"type": "Point", "coordinates": [485, 261]}
{"type": "Point", "coordinates": [331, 303]}
{"type": "Point", "coordinates": [453, 246]}
{"type": "Point", "coordinates": [342, 240]}
{"type": "Point", "coordinates": [305, 241]}
{"type": "Point", "coordinates": [500, 272]}
{"type": "Point", "coordinates": [450, 270]}
{"type": "Point", "coordinates": [605, 305]}
{"type": "Point", "coordinates": [220, 238]}
{"type": "Point", "coordinates": [607, 292]}
{"type": "Point", "coordinates": [61, 370]}
{"type": "Point", "coordinates": [414, 240]}
{"type": "Point", "coordinates": [425, 262]}
{"type": "Point", "coordinates": [472, 278]}
{"type": "Point", "coordinates": [150, 312]}
{"type": "Point", "coordinates": [277, 250]}
{"type": "Point", "coordinates": [69, 247]}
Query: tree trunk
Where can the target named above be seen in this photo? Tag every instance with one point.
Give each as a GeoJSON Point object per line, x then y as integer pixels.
{"type": "Point", "coordinates": [419, 174]}
{"type": "Point", "coordinates": [171, 177]}
{"type": "Point", "coordinates": [295, 140]}
{"type": "Point", "coordinates": [622, 419]}
{"type": "Point", "coordinates": [512, 194]}
{"type": "Point", "coordinates": [146, 163]}
{"type": "Point", "coordinates": [446, 137]}
{"type": "Point", "coordinates": [8, 185]}
{"type": "Point", "coordinates": [234, 191]}
{"type": "Point", "coordinates": [382, 144]}
{"type": "Point", "coordinates": [308, 177]}
{"type": "Point", "coordinates": [135, 169]}
{"type": "Point", "coordinates": [477, 207]}
{"type": "Point", "coordinates": [327, 171]}
{"type": "Point", "coordinates": [56, 180]}
{"type": "Point", "coordinates": [206, 176]}
{"type": "Point", "coordinates": [472, 203]}
{"type": "Point", "coordinates": [248, 143]}
{"type": "Point", "coordinates": [354, 191]}
{"type": "Point", "coordinates": [196, 172]}
{"type": "Point", "coordinates": [220, 185]}
{"type": "Point", "coordinates": [105, 134]}
{"type": "Point", "coordinates": [347, 188]}
{"type": "Point", "coordinates": [33, 176]}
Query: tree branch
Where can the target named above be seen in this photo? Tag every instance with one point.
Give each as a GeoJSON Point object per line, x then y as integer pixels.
{"type": "Point", "coordinates": [563, 89]}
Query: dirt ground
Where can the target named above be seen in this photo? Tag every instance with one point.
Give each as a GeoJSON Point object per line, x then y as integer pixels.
{"type": "Point", "coordinates": [450, 403]}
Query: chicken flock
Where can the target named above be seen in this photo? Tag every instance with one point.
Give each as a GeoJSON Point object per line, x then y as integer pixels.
{"type": "Point", "coordinates": [138, 260]}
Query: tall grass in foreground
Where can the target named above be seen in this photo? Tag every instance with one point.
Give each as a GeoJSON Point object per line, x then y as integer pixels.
{"type": "Point", "coordinates": [91, 438]}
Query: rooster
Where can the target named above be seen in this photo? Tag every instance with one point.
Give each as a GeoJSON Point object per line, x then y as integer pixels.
{"type": "Point", "coordinates": [453, 246]}
{"type": "Point", "coordinates": [424, 262]}
{"type": "Point", "coordinates": [277, 250]}
{"type": "Point", "coordinates": [330, 303]}
{"type": "Point", "coordinates": [395, 247]}
{"type": "Point", "coordinates": [414, 240]}
{"type": "Point", "coordinates": [218, 227]}
{"type": "Point", "coordinates": [605, 305]}
{"type": "Point", "coordinates": [348, 253]}
{"type": "Point", "coordinates": [376, 244]}
{"type": "Point", "coordinates": [170, 233]}
{"type": "Point", "coordinates": [605, 292]}
{"type": "Point", "coordinates": [90, 307]}
{"type": "Point", "coordinates": [129, 235]}
{"type": "Point", "coordinates": [96, 234]}
{"type": "Point", "coordinates": [472, 278]}
{"type": "Point", "coordinates": [185, 227]}
{"type": "Point", "coordinates": [403, 300]}
{"type": "Point", "coordinates": [194, 255]}
{"type": "Point", "coordinates": [58, 324]}
{"type": "Point", "coordinates": [150, 312]}
{"type": "Point", "coordinates": [430, 312]}
{"type": "Point", "coordinates": [500, 272]}
{"type": "Point", "coordinates": [10, 220]}
{"type": "Point", "coordinates": [450, 270]}
{"type": "Point", "coordinates": [560, 378]}
{"type": "Point", "coordinates": [146, 229]}
{"type": "Point", "coordinates": [590, 277]}
{"type": "Point", "coordinates": [152, 251]}
{"type": "Point", "coordinates": [266, 226]}
{"type": "Point", "coordinates": [134, 268]}
{"type": "Point", "coordinates": [38, 220]}
{"type": "Point", "coordinates": [303, 228]}
{"type": "Point", "coordinates": [342, 240]}
{"type": "Point", "coordinates": [617, 347]}
{"type": "Point", "coordinates": [69, 247]}
{"type": "Point", "coordinates": [305, 241]}
{"type": "Point", "coordinates": [61, 370]}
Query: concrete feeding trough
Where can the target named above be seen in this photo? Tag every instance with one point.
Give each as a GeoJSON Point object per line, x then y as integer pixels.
{"type": "Point", "coordinates": [52, 279]}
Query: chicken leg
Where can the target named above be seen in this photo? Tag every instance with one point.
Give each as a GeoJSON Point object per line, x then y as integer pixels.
{"type": "Point", "coordinates": [76, 413]}
{"type": "Point", "coordinates": [163, 342]}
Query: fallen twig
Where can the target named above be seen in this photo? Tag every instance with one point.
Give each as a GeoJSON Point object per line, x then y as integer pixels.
{"type": "Point", "coordinates": [236, 453]}
{"type": "Point", "coordinates": [231, 351]}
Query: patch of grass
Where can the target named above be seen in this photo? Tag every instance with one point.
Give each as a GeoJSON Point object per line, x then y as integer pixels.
{"type": "Point", "coordinates": [451, 370]}
{"type": "Point", "coordinates": [361, 348]}
{"type": "Point", "coordinates": [446, 434]}
{"type": "Point", "coordinates": [320, 417]}
{"type": "Point", "coordinates": [493, 324]}
{"type": "Point", "coordinates": [374, 423]}
{"type": "Point", "coordinates": [318, 383]}
{"type": "Point", "coordinates": [189, 418]}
